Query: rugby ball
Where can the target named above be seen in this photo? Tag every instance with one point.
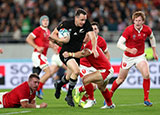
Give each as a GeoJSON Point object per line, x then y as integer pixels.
{"type": "Point", "coordinates": [63, 33]}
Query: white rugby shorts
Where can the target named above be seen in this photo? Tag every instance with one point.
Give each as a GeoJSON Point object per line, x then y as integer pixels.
{"type": "Point", "coordinates": [1, 99]}
{"type": "Point", "coordinates": [86, 70]}
{"type": "Point", "coordinates": [55, 60]}
{"type": "Point", "coordinates": [39, 60]}
{"type": "Point", "coordinates": [128, 62]}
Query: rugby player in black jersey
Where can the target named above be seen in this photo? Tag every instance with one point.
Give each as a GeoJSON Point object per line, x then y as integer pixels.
{"type": "Point", "coordinates": [78, 27]}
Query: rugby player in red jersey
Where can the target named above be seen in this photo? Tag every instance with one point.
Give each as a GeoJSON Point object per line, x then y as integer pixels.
{"type": "Point", "coordinates": [132, 42]}
{"type": "Point", "coordinates": [86, 68]}
{"type": "Point", "coordinates": [39, 40]}
{"type": "Point", "coordinates": [23, 95]}
{"type": "Point", "coordinates": [101, 76]}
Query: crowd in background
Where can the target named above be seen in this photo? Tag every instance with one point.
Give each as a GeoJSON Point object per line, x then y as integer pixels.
{"type": "Point", "coordinates": [22, 16]}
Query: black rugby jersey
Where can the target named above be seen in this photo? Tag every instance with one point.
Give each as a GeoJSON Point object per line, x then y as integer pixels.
{"type": "Point", "coordinates": [77, 35]}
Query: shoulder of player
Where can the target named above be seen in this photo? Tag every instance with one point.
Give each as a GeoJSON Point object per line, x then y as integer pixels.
{"type": "Point", "coordinates": [146, 27]}
{"type": "Point", "coordinates": [68, 21]}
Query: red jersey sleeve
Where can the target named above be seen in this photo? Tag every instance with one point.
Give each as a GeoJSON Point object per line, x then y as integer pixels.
{"type": "Point", "coordinates": [126, 33]}
{"type": "Point", "coordinates": [24, 94]}
{"type": "Point", "coordinates": [36, 32]}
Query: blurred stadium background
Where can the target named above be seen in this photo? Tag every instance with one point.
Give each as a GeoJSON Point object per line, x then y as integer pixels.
{"type": "Point", "coordinates": [19, 17]}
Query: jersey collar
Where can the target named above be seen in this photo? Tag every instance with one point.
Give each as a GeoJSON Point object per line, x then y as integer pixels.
{"type": "Point", "coordinates": [137, 29]}
{"type": "Point", "coordinates": [43, 28]}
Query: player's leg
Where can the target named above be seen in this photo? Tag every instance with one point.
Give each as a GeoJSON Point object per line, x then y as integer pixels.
{"type": "Point", "coordinates": [144, 69]}
{"type": "Point", "coordinates": [120, 79]}
{"type": "Point", "coordinates": [106, 94]}
{"type": "Point", "coordinates": [94, 77]}
{"type": "Point", "coordinates": [39, 60]}
{"type": "Point", "coordinates": [73, 66]}
{"type": "Point", "coordinates": [43, 79]}
{"type": "Point", "coordinates": [62, 82]}
{"type": "Point", "coordinates": [54, 69]}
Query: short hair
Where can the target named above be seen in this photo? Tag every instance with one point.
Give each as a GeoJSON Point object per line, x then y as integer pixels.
{"type": "Point", "coordinates": [137, 14]}
{"type": "Point", "coordinates": [80, 11]}
{"type": "Point", "coordinates": [34, 75]}
{"type": "Point", "coordinates": [95, 23]}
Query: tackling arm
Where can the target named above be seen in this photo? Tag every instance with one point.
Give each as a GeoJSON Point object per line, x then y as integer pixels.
{"type": "Point", "coordinates": [94, 43]}
{"type": "Point", "coordinates": [79, 54]}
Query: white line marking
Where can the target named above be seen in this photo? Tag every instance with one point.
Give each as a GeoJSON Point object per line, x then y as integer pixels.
{"type": "Point", "coordinates": [135, 104]}
{"type": "Point", "coordinates": [11, 113]}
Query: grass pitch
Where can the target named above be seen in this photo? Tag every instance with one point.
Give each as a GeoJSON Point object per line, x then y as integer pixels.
{"type": "Point", "coordinates": [127, 101]}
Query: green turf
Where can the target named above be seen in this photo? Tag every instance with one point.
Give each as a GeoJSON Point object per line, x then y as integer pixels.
{"type": "Point", "coordinates": [127, 101]}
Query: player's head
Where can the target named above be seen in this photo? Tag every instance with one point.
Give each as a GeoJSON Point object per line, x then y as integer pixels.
{"type": "Point", "coordinates": [33, 81]}
{"type": "Point", "coordinates": [138, 19]}
{"type": "Point", "coordinates": [80, 17]}
{"type": "Point", "coordinates": [95, 27]}
{"type": "Point", "coordinates": [44, 21]}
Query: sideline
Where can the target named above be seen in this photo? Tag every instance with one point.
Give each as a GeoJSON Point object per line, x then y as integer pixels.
{"type": "Point", "coordinates": [11, 113]}
{"type": "Point", "coordinates": [136, 104]}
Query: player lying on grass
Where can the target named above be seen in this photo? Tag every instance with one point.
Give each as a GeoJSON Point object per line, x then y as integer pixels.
{"type": "Point", "coordinates": [101, 76]}
{"type": "Point", "coordinates": [23, 95]}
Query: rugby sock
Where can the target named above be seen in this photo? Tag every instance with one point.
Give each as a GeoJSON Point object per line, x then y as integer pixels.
{"type": "Point", "coordinates": [146, 88]}
{"type": "Point", "coordinates": [72, 84]}
{"type": "Point", "coordinates": [62, 82]}
{"type": "Point", "coordinates": [81, 89]}
{"type": "Point", "coordinates": [84, 98]}
{"type": "Point", "coordinates": [89, 90]}
{"type": "Point", "coordinates": [114, 87]}
{"type": "Point", "coordinates": [107, 97]}
{"type": "Point", "coordinates": [40, 86]}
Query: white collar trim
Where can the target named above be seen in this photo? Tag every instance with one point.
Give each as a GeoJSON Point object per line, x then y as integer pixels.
{"type": "Point", "coordinates": [137, 29]}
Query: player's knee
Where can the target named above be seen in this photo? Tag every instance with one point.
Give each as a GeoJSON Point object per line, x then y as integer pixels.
{"type": "Point", "coordinates": [101, 88]}
{"type": "Point", "coordinates": [120, 80]}
{"type": "Point", "coordinates": [146, 75]}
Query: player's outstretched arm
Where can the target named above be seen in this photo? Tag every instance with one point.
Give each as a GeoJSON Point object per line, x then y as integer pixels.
{"type": "Point", "coordinates": [26, 104]}
{"type": "Point", "coordinates": [79, 54]}
{"type": "Point", "coordinates": [94, 43]}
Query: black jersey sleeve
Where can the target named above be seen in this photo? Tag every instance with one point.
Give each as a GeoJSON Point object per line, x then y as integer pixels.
{"type": "Point", "coordinates": [62, 25]}
{"type": "Point", "coordinates": [88, 26]}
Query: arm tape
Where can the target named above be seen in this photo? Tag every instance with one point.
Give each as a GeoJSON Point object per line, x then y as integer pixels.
{"type": "Point", "coordinates": [121, 44]}
{"type": "Point", "coordinates": [152, 40]}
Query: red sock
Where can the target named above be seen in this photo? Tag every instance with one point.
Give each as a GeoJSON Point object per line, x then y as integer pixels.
{"type": "Point", "coordinates": [81, 89]}
{"type": "Point", "coordinates": [146, 88]}
{"type": "Point", "coordinates": [40, 86]}
{"type": "Point", "coordinates": [89, 90]}
{"type": "Point", "coordinates": [84, 98]}
{"type": "Point", "coordinates": [114, 87]}
{"type": "Point", "coordinates": [107, 97]}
